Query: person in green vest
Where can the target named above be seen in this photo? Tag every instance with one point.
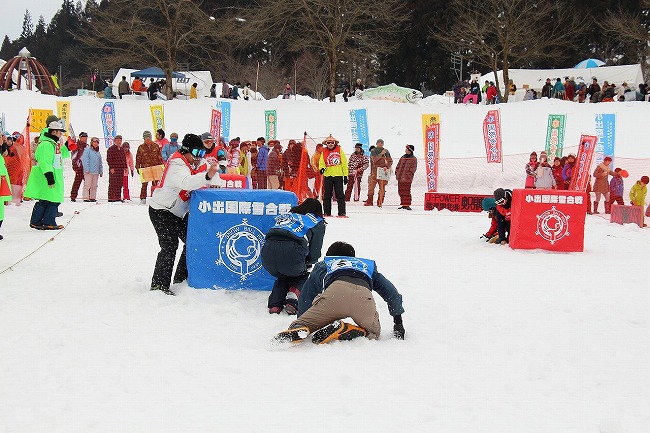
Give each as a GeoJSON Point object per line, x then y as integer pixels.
{"type": "Point", "coordinates": [45, 182]}
{"type": "Point", "coordinates": [4, 182]}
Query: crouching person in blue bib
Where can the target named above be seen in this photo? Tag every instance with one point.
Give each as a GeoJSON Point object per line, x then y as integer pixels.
{"type": "Point", "coordinates": [341, 286]}
{"type": "Point", "coordinates": [291, 246]}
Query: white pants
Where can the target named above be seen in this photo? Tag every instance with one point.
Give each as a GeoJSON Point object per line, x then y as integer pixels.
{"type": "Point", "coordinates": [90, 186]}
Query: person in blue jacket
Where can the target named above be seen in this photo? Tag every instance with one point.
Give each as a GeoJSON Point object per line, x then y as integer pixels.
{"type": "Point", "coordinates": [341, 286]}
{"type": "Point", "coordinates": [291, 246]}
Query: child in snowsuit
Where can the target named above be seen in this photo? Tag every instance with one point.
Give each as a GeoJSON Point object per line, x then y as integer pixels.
{"type": "Point", "coordinates": [490, 207]}
{"type": "Point", "coordinates": [291, 246]}
{"type": "Point", "coordinates": [616, 188]}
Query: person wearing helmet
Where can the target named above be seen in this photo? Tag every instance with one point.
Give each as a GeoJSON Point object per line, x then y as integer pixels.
{"type": "Point", "coordinates": [185, 171]}
{"type": "Point", "coordinates": [503, 202]}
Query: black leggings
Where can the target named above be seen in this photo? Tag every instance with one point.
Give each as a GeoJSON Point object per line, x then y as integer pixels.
{"type": "Point", "coordinates": [169, 229]}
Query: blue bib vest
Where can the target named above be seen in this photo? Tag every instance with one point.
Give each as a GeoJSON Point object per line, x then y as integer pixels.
{"type": "Point", "coordinates": [351, 266]}
{"type": "Point", "coordinates": [296, 223]}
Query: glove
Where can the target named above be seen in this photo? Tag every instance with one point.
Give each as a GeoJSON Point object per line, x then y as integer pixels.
{"type": "Point", "coordinates": [398, 328]}
{"type": "Point", "coordinates": [345, 180]}
{"type": "Point", "coordinates": [131, 173]}
{"type": "Point", "coordinates": [398, 331]}
{"type": "Point", "coordinates": [322, 170]}
{"type": "Point", "coordinates": [50, 177]}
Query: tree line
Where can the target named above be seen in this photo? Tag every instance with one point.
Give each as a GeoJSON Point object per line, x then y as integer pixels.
{"type": "Point", "coordinates": [324, 46]}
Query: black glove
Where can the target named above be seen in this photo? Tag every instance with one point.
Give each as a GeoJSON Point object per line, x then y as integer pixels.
{"type": "Point", "coordinates": [345, 180]}
{"type": "Point", "coordinates": [322, 170]}
{"type": "Point", "coordinates": [398, 328]}
{"type": "Point", "coordinates": [50, 177]}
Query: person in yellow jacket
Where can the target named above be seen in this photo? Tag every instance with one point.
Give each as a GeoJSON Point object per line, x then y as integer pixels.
{"type": "Point", "coordinates": [333, 165]}
{"type": "Point", "coordinates": [639, 191]}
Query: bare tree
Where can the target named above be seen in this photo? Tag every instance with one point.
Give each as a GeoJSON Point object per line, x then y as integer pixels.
{"type": "Point", "coordinates": [328, 27]}
{"type": "Point", "coordinates": [633, 29]}
{"type": "Point", "coordinates": [502, 33]}
{"type": "Point", "coordinates": [145, 32]}
{"type": "Point", "coordinates": [312, 74]}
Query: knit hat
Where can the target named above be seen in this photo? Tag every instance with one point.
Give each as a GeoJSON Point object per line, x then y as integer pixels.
{"type": "Point", "coordinates": [52, 118]}
{"type": "Point", "coordinates": [206, 136]}
{"type": "Point", "coordinates": [146, 134]}
{"type": "Point", "coordinates": [410, 147]}
{"type": "Point", "coordinates": [488, 203]}
{"type": "Point", "coordinates": [83, 134]}
{"type": "Point", "coordinates": [359, 145]}
{"type": "Point", "coordinates": [191, 141]}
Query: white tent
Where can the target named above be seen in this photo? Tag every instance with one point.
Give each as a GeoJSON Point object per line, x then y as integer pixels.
{"type": "Point", "coordinates": [535, 78]}
{"type": "Point", "coordinates": [203, 79]}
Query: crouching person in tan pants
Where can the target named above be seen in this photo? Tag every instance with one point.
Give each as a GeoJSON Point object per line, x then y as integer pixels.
{"type": "Point", "coordinates": [341, 286]}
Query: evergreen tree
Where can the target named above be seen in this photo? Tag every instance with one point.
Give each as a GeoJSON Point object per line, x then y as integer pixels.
{"type": "Point", "coordinates": [28, 29]}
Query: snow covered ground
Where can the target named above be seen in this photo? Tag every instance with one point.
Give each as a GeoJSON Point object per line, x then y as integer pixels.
{"type": "Point", "coordinates": [498, 340]}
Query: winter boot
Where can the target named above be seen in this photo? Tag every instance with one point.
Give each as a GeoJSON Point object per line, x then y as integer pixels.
{"type": "Point", "coordinates": [165, 290]}
{"type": "Point", "coordinates": [595, 211]}
{"type": "Point", "coordinates": [338, 330]}
{"type": "Point", "coordinates": [295, 334]}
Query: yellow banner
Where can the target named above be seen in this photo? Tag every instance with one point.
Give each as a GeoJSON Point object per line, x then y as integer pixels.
{"type": "Point", "coordinates": [63, 111]}
{"type": "Point", "coordinates": [37, 119]}
{"type": "Point", "coordinates": [429, 119]}
{"type": "Point", "coordinates": [158, 117]}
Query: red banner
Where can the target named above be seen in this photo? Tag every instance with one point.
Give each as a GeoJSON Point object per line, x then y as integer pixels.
{"type": "Point", "coordinates": [432, 154]}
{"type": "Point", "coordinates": [627, 214]}
{"type": "Point", "coordinates": [237, 181]}
{"type": "Point", "coordinates": [454, 202]}
{"type": "Point", "coordinates": [582, 168]}
{"type": "Point", "coordinates": [548, 219]}
{"type": "Point", "coordinates": [492, 136]}
{"type": "Point", "coordinates": [215, 125]}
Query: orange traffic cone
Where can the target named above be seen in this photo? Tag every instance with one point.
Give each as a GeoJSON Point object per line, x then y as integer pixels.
{"type": "Point", "coordinates": [5, 190]}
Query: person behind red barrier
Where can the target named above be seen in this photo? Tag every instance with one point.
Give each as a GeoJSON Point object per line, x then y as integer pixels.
{"type": "Point", "coordinates": [544, 178]}
{"type": "Point", "coordinates": [488, 205]}
{"type": "Point", "coordinates": [503, 201]}
{"type": "Point", "coordinates": [557, 173]}
{"type": "Point", "coordinates": [567, 171]}
{"type": "Point", "coordinates": [616, 188]}
{"type": "Point", "coordinates": [531, 166]}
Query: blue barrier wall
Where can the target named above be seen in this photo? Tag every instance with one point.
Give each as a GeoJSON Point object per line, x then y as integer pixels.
{"type": "Point", "coordinates": [225, 236]}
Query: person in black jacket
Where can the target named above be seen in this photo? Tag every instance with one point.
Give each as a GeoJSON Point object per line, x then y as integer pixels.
{"type": "Point", "coordinates": [292, 245]}
{"type": "Point", "coordinates": [503, 201]}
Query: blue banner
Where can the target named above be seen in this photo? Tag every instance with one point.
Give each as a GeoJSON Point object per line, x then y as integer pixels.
{"type": "Point", "coordinates": [359, 128]}
{"type": "Point", "coordinates": [108, 123]}
{"type": "Point", "coordinates": [224, 107]}
{"type": "Point", "coordinates": [225, 236]}
{"type": "Point", "coordinates": [606, 133]}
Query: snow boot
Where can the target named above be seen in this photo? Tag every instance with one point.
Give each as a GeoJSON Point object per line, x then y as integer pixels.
{"type": "Point", "coordinates": [293, 335]}
{"type": "Point", "coordinates": [595, 211]}
{"type": "Point", "coordinates": [338, 330]}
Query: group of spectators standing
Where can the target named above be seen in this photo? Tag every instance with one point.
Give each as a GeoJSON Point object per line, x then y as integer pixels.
{"type": "Point", "coordinates": [542, 175]}
{"type": "Point", "coordinates": [569, 90]}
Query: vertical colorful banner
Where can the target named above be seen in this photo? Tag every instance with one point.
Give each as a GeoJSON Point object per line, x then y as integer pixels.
{"type": "Point", "coordinates": [582, 168]}
{"type": "Point", "coordinates": [108, 123]}
{"type": "Point", "coordinates": [555, 136]}
{"type": "Point", "coordinates": [271, 121]}
{"type": "Point", "coordinates": [432, 155]}
{"type": "Point", "coordinates": [215, 124]}
{"type": "Point", "coordinates": [224, 108]}
{"type": "Point", "coordinates": [63, 112]}
{"type": "Point", "coordinates": [359, 128]}
{"type": "Point", "coordinates": [38, 119]}
{"type": "Point", "coordinates": [157, 117]}
{"type": "Point", "coordinates": [492, 136]}
{"type": "Point", "coordinates": [605, 131]}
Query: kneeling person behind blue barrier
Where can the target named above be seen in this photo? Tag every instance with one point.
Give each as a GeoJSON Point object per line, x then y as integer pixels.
{"type": "Point", "coordinates": [290, 246]}
{"type": "Point", "coordinates": [341, 286]}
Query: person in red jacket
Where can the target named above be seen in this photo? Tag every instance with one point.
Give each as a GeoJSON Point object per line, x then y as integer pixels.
{"type": "Point", "coordinates": [557, 173]}
{"type": "Point", "coordinates": [491, 94]}
{"type": "Point", "coordinates": [404, 172]}
{"type": "Point", "coordinates": [503, 201]}
{"type": "Point", "coordinates": [15, 170]}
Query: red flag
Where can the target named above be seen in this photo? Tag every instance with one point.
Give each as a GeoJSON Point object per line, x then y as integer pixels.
{"type": "Point", "coordinates": [432, 155]}
{"type": "Point", "coordinates": [582, 167]}
{"type": "Point", "coordinates": [215, 125]}
{"type": "Point", "coordinates": [492, 136]}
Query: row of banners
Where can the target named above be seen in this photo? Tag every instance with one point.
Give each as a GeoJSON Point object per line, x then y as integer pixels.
{"type": "Point", "coordinates": [600, 145]}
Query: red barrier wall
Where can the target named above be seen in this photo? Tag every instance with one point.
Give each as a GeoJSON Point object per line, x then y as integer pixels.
{"type": "Point", "coordinates": [551, 220]}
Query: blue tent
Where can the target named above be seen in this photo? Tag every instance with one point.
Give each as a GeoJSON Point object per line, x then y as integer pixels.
{"type": "Point", "coordinates": [154, 72]}
{"type": "Point", "coordinates": [589, 63]}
